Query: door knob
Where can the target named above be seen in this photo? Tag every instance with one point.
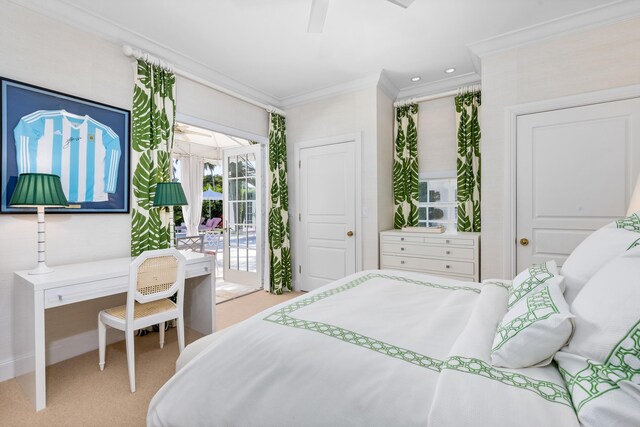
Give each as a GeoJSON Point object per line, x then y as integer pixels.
{"type": "Point", "coordinates": [524, 241]}
{"type": "Point", "coordinates": [349, 233]}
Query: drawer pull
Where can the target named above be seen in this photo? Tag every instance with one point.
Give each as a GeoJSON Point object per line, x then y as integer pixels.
{"type": "Point", "coordinates": [402, 249]}
{"type": "Point", "coordinates": [448, 266]}
{"type": "Point", "coordinates": [206, 269]}
{"type": "Point", "coordinates": [402, 239]}
{"type": "Point", "coordinates": [447, 241]}
{"type": "Point", "coordinates": [402, 262]}
{"type": "Point", "coordinates": [59, 297]}
{"type": "Point", "coordinates": [448, 252]}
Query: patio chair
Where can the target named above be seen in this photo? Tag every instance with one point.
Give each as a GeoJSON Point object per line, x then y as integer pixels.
{"type": "Point", "coordinates": [190, 243]}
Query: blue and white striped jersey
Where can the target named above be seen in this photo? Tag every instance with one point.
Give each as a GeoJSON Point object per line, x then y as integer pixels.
{"type": "Point", "coordinates": [82, 151]}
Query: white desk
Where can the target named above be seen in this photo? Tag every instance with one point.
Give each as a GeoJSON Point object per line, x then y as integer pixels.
{"type": "Point", "coordinates": [82, 282]}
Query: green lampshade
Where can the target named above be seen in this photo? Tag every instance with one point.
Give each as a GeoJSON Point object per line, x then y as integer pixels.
{"type": "Point", "coordinates": [169, 194]}
{"type": "Point", "coordinates": [38, 189]}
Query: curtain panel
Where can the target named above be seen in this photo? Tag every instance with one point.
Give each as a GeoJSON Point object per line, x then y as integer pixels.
{"type": "Point", "coordinates": [468, 164]}
{"type": "Point", "coordinates": [153, 118]}
{"type": "Point", "coordinates": [405, 167]}
{"type": "Point", "coordinates": [278, 226]}
{"type": "Point", "coordinates": [191, 173]}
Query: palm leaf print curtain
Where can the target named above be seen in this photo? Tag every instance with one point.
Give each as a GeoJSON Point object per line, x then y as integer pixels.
{"type": "Point", "coordinates": [278, 227]}
{"type": "Point", "coordinates": [468, 164]}
{"type": "Point", "coordinates": [405, 167]}
{"type": "Point", "coordinates": [152, 140]}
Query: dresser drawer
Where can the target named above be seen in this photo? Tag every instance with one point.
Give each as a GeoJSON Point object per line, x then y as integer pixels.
{"type": "Point", "coordinates": [400, 239]}
{"type": "Point", "coordinates": [446, 241]}
{"type": "Point", "coordinates": [85, 291]}
{"type": "Point", "coordinates": [429, 251]}
{"type": "Point", "coordinates": [422, 264]}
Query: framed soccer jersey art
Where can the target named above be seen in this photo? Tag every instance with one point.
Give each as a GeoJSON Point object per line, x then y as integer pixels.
{"type": "Point", "coordinates": [86, 143]}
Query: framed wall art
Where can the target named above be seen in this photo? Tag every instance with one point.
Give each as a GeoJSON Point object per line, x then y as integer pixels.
{"type": "Point", "coordinates": [84, 142]}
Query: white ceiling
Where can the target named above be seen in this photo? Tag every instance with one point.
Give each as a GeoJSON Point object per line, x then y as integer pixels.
{"type": "Point", "coordinates": [261, 47]}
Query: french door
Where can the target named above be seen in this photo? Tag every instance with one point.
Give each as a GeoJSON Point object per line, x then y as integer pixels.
{"type": "Point", "coordinates": [243, 222]}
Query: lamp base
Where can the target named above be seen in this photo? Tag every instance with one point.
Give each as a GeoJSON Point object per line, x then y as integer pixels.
{"type": "Point", "coordinates": [41, 269]}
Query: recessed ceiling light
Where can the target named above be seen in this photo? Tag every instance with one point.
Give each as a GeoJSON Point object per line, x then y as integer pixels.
{"type": "Point", "coordinates": [415, 79]}
{"type": "Point", "coordinates": [449, 70]}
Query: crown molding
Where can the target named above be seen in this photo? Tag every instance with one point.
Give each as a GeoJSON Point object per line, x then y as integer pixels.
{"type": "Point", "coordinates": [439, 86]}
{"type": "Point", "coordinates": [387, 86]}
{"type": "Point", "coordinates": [617, 11]}
{"type": "Point", "coordinates": [367, 82]}
{"type": "Point", "coordinates": [95, 24]}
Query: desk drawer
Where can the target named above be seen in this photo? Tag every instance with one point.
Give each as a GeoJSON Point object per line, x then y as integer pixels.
{"type": "Point", "coordinates": [421, 264]}
{"type": "Point", "coordinates": [199, 268]}
{"type": "Point", "coordinates": [85, 291]}
{"type": "Point", "coordinates": [429, 251]}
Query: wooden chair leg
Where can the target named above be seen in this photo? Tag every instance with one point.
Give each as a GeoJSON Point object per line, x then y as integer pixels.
{"type": "Point", "coordinates": [131, 360]}
{"type": "Point", "coordinates": [102, 342]}
{"type": "Point", "coordinates": [161, 333]}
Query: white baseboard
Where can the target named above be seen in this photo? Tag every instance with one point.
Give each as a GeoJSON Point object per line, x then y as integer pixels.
{"type": "Point", "coordinates": [59, 350]}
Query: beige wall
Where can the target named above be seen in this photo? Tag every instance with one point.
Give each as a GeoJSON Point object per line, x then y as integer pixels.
{"type": "Point", "coordinates": [437, 140]}
{"type": "Point", "coordinates": [201, 102]}
{"type": "Point", "coordinates": [597, 59]}
{"type": "Point", "coordinates": [354, 112]}
{"type": "Point", "coordinates": [368, 112]}
{"type": "Point", "coordinates": [385, 137]}
{"type": "Point", "coordinates": [41, 51]}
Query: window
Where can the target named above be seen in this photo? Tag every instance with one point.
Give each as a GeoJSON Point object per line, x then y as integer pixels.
{"type": "Point", "coordinates": [437, 202]}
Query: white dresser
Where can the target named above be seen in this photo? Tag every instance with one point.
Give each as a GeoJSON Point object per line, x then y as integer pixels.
{"type": "Point", "coordinates": [451, 254]}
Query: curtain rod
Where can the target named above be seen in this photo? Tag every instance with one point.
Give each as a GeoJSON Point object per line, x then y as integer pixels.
{"type": "Point", "coordinates": [455, 92]}
{"type": "Point", "coordinates": [140, 54]}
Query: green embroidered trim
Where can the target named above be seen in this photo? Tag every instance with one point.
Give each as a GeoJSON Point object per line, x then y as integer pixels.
{"type": "Point", "coordinates": [634, 245]}
{"type": "Point", "coordinates": [538, 275]}
{"type": "Point", "coordinates": [622, 364]}
{"type": "Point", "coordinates": [540, 306]}
{"type": "Point", "coordinates": [631, 223]}
{"type": "Point", "coordinates": [546, 389]}
{"type": "Point", "coordinates": [500, 284]}
{"type": "Point", "coordinates": [549, 391]}
{"type": "Point", "coordinates": [358, 339]}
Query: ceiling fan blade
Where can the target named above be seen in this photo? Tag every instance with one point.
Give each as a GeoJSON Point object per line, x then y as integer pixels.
{"type": "Point", "coordinates": [317, 16]}
{"type": "Point", "coordinates": [402, 3]}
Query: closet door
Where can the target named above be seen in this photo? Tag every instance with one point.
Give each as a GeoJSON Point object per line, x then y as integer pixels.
{"type": "Point", "coordinates": [576, 169]}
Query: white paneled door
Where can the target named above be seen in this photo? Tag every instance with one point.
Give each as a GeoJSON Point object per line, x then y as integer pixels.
{"type": "Point", "coordinates": [243, 215]}
{"type": "Point", "coordinates": [327, 214]}
{"type": "Point", "coordinates": [575, 172]}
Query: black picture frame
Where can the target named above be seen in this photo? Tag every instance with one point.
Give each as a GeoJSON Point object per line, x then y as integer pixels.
{"type": "Point", "coordinates": [87, 143]}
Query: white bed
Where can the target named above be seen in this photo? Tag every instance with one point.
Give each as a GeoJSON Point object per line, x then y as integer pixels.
{"type": "Point", "coordinates": [377, 348]}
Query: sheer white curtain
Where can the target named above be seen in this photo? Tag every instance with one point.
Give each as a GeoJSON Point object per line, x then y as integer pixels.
{"type": "Point", "coordinates": [191, 174]}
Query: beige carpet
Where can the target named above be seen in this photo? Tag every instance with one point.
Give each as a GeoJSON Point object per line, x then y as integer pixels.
{"type": "Point", "coordinates": [79, 394]}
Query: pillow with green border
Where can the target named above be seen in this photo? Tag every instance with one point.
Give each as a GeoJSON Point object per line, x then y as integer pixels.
{"type": "Point", "coordinates": [601, 364]}
{"type": "Point", "coordinates": [597, 250]}
{"type": "Point", "coordinates": [533, 330]}
{"type": "Point", "coordinates": [534, 279]}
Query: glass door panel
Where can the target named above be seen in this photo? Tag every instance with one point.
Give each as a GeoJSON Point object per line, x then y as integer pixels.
{"type": "Point", "coordinates": [242, 210]}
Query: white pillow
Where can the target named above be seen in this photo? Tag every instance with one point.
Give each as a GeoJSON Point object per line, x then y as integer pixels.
{"type": "Point", "coordinates": [533, 330]}
{"type": "Point", "coordinates": [601, 364]}
{"type": "Point", "coordinates": [533, 279]}
{"type": "Point", "coordinates": [598, 249]}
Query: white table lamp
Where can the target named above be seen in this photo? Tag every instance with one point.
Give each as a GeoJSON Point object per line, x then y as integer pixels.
{"type": "Point", "coordinates": [39, 190]}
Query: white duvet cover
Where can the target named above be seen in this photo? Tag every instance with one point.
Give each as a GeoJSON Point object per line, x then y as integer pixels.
{"type": "Point", "coordinates": [372, 349]}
